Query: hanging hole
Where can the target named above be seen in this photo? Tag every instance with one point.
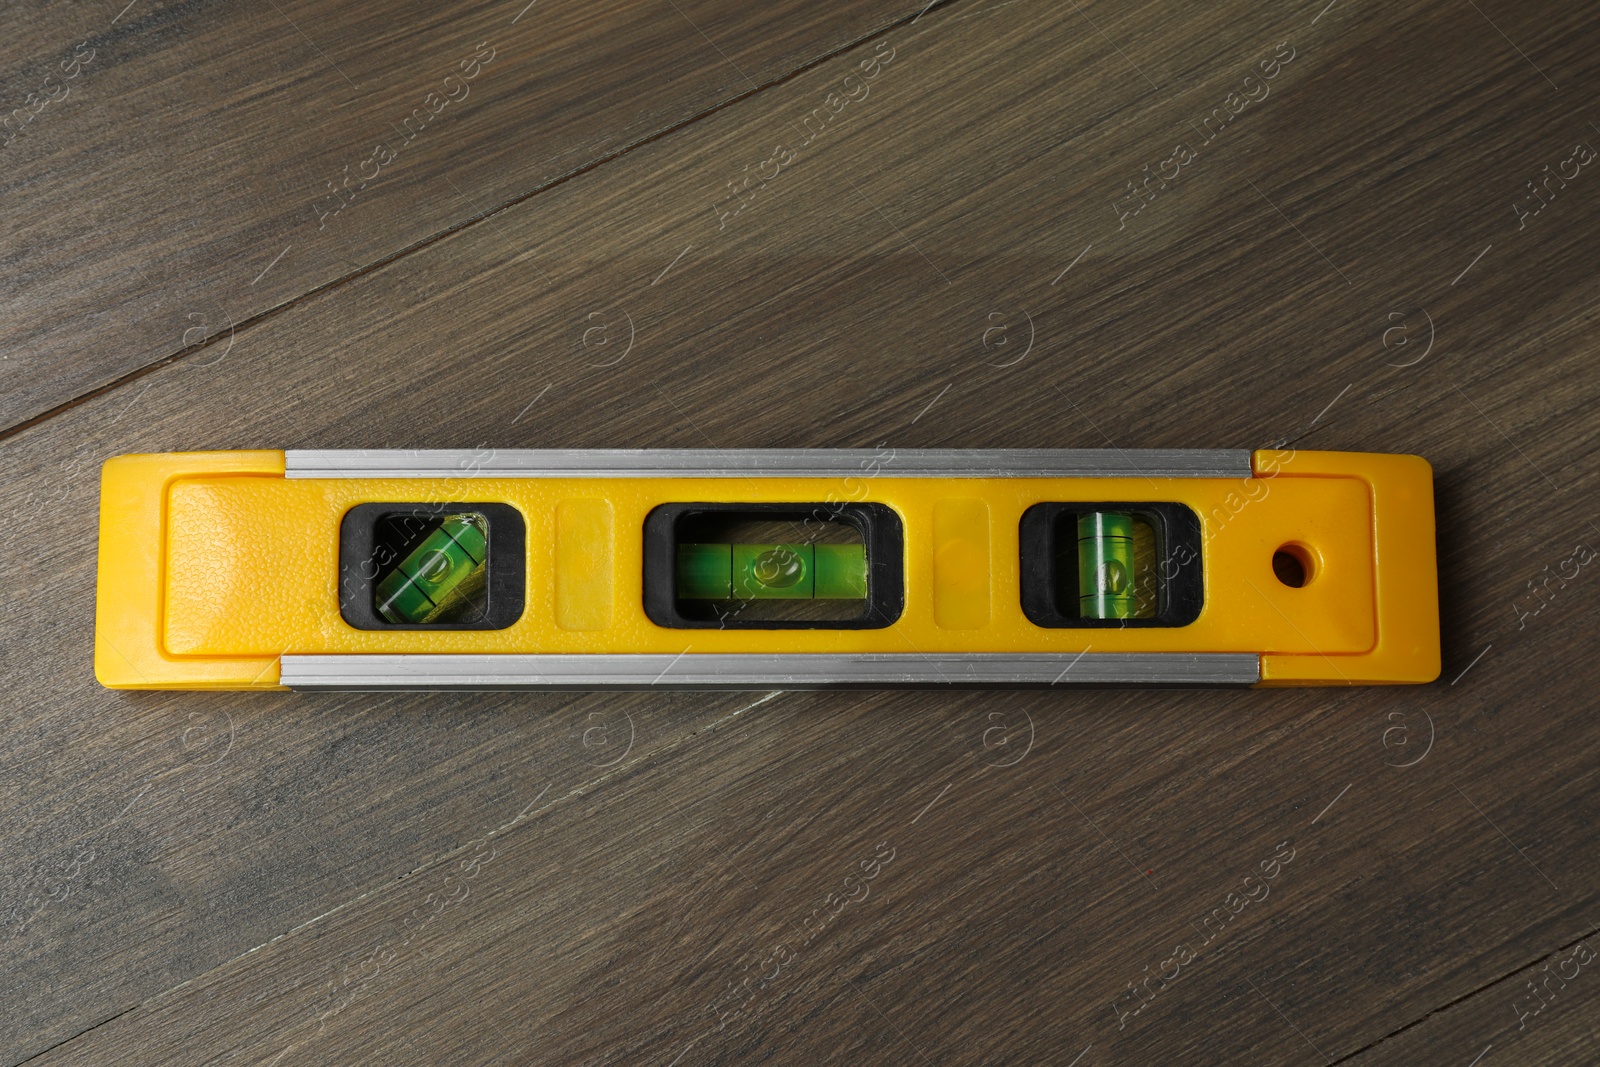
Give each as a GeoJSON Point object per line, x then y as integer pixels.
{"type": "Point", "coordinates": [1292, 564]}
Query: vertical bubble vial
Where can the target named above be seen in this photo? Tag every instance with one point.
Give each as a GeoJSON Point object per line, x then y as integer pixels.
{"type": "Point", "coordinates": [1105, 566]}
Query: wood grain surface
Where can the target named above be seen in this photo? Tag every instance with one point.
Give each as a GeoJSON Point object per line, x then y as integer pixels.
{"type": "Point", "coordinates": [184, 168]}
{"type": "Point", "coordinates": [983, 224]}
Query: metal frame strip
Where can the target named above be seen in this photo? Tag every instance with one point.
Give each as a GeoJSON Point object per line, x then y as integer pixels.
{"type": "Point", "coordinates": [769, 462]}
{"type": "Point", "coordinates": [711, 671]}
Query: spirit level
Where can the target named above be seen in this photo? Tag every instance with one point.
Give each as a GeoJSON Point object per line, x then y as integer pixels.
{"type": "Point", "coordinates": [700, 569]}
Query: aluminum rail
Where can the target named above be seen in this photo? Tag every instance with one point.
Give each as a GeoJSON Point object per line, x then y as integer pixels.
{"type": "Point", "coordinates": [711, 671]}
{"type": "Point", "coordinates": [770, 462]}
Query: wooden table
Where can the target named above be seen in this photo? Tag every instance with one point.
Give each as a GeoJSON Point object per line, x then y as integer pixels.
{"type": "Point", "coordinates": [703, 223]}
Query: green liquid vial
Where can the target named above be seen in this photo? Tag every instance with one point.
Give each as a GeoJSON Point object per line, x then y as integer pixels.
{"type": "Point", "coordinates": [438, 580]}
{"type": "Point", "coordinates": [1105, 566]}
{"type": "Point", "coordinates": [772, 572]}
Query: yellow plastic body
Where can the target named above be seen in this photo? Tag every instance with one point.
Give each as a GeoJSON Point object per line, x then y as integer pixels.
{"type": "Point", "coordinates": [212, 565]}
